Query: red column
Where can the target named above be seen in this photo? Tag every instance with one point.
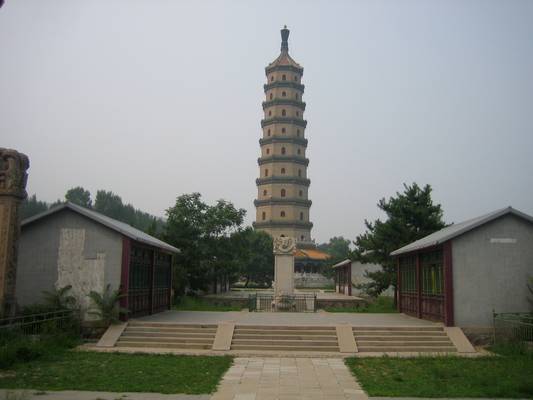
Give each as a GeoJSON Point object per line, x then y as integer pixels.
{"type": "Point", "coordinates": [350, 279]}
{"type": "Point", "coordinates": [152, 285]}
{"type": "Point", "coordinates": [418, 287]}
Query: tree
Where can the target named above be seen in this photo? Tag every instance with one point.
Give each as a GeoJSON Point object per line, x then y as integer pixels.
{"type": "Point", "coordinates": [339, 250]}
{"type": "Point", "coordinates": [110, 204]}
{"type": "Point", "coordinates": [411, 215]}
{"type": "Point", "coordinates": [59, 299]}
{"type": "Point", "coordinates": [203, 234]}
{"type": "Point", "coordinates": [31, 206]}
{"type": "Point", "coordinates": [79, 196]}
{"type": "Point", "coordinates": [253, 250]}
{"type": "Point", "coordinates": [106, 305]}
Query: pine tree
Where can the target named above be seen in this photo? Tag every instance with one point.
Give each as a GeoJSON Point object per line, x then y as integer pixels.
{"type": "Point", "coordinates": [411, 215]}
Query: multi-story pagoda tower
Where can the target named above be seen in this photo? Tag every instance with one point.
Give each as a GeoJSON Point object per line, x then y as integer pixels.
{"type": "Point", "coordinates": [282, 205]}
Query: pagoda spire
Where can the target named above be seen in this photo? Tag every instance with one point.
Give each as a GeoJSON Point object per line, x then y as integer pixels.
{"type": "Point", "coordinates": [285, 39]}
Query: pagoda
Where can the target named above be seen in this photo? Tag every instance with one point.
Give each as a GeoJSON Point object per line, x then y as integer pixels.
{"type": "Point", "coordinates": [282, 204]}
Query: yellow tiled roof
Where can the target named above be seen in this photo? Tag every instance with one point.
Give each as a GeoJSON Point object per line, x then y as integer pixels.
{"type": "Point", "coordinates": [313, 254]}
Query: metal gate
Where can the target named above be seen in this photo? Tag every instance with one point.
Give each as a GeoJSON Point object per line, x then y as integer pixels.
{"type": "Point", "coordinates": [283, 303]}
{"type": "Point", "coordinates": [140, 282]}
{"type": "Point", "coordinates": [149, 281]}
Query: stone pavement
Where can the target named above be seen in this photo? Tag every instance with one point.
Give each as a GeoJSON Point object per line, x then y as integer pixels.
{"type": "Point", "coordinates": [289, 379]}
{"type": "Point", "coordinates": [286, 318]}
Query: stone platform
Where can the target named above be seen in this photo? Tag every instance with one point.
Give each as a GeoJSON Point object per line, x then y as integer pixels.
{"type": "Point", "coordinates": [239, 298]}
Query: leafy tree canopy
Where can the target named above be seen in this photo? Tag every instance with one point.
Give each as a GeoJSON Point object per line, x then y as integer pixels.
{"type": "Point", "coordinates": [339, 250]}
{"type": "Point", "coordinates": [79, 196]}
{"type": "Point", "coordinates": [203, 233]}
{"type": "Point", "coordinates": [31, 206]}
{"type": "Point", "coordinates": [410, 216]}
{"type": "Point", "coordinates": [255, 256]}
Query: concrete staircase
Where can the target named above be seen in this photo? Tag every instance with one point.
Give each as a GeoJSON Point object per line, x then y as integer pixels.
{"type": "Point", "coordinates": [306, 340]}
{"type": "Point", "coordinates": [403, 339]}
{"type": "Point", "coordinates": [167, 335]}
{"type": "Point", "coordinates": [285, 338]}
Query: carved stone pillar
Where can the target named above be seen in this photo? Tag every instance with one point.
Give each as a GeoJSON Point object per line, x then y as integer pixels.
{"type": "Point", "coordinates": [284, 265]}
{"type": "Point", "coordinates": [13, 178]}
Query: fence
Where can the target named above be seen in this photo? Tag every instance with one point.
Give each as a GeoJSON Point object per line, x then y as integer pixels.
{"type": "Point", "coordinates": [513, 327]}
{"type": "Point", "coordinates": [34, 324]}
{"type": "Point", "coordinates": [282, 303]}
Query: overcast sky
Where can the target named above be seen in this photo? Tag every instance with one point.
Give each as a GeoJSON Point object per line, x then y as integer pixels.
{"type": "Point", "coordinates": [153, 99]}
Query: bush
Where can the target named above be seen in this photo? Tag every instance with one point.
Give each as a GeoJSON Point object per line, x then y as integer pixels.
{"type": "Point", "coordinates": [18, 347]}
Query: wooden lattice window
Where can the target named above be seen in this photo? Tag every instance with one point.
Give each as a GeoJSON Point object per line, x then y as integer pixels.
{"type": "Point", "coordinates": [431, 265]}
{"type": "Point", "coordinates": [408, 274]}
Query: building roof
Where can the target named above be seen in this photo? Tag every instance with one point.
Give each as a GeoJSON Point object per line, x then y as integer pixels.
{"type": "Point", "coordinates": [284, 59]}
{"type": "Point", "coordinates": [118, 226]}
{"type": "Point", "coordinates": [312, 254]}
{"type": "Point", "coordinates": [455, 230]}
{"type": "Point", "coordinates": [342, 263]}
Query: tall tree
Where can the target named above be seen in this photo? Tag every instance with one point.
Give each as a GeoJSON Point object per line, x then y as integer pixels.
{"type": "Point", "coordinates": [339, 250]}
{"type": "Point", "coordinates": [202, 233]}
{"type": "Point", "coordinates": [411, 215]}
{"type": "Point", "coordinates": [253, 250]}
{"type": "Point", "coordinates": [79, 196]}
{"type": "Point", "coordinates": [32, 206]}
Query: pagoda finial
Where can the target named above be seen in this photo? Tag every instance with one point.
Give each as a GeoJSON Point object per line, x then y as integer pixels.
{"type": "Point", "coordinates": [285, 39]}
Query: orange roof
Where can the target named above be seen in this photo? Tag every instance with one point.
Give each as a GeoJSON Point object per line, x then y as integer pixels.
{"type": "Point", "coordinates": [313, 254]}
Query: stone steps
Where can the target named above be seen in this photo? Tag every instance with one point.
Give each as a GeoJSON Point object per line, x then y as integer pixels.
{"type": "Point", "coordinates": [432, 339]}
{"type": "Point", "coordinates": [162, 335]}
{"type": "Point", "coordinates": [407, 349]}
{"type": "Point", "coordinates": [284, 338]}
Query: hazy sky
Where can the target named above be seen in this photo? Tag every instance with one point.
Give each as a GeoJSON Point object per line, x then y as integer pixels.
{"type": "Point", "coordinates": [152, 99]}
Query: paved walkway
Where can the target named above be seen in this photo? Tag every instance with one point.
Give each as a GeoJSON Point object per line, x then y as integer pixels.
{"type": "Point", "coordinates": [289, 379]}
{"type": "Point", "coordinates": [281, 318]}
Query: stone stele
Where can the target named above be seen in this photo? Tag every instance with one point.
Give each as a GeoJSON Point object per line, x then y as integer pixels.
{"type": "Point", "coordinates": [13, 178]}
{"type": "Point", "coordinates": [284, 265]}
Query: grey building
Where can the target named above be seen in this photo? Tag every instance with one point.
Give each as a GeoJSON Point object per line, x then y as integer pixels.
{"type": "Point", "coordinates": [349, 274]}
{"type": "Point", "coordinates": [462, 273]}
{"type": "Point", "coordinates": [72, 245]}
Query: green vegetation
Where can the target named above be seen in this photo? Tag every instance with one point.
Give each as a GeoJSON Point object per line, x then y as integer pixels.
{"type": "Point", "coordinates": [106, 305]}
{"type": "Point", "coordinates": [411, 215]}
{"type": "Point", "coordinates": [505, 376]}
{"type": "Point", "coordinates": [106, 202]}
{"type": "Point", "coordinates": [16, 347]}
{"type": "Point", "coordinates": [115, 372]}
{"type": "Point", "coordinates": [382, 304]}
{"type": "Point", "coordinates": [189, 303]}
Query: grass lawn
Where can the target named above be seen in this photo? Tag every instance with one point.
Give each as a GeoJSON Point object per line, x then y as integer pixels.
{"type": "Point", "coordinates": [198, 304]}
{"type": "Point", "coordinates": [382, 304]}
{"type": "Point", "coordinates": [508, 376]}
{"type": "Point", "coordinates": [115, 372]}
